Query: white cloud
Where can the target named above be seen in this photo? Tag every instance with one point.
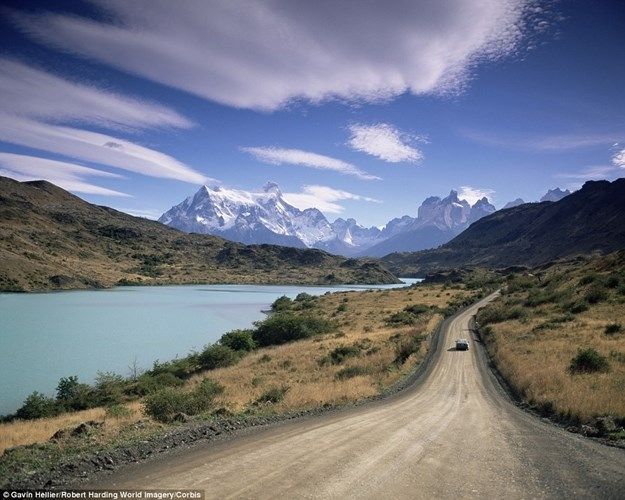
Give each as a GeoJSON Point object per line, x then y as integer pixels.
{"type": "Point", "coordinates": [472, 194]}
{"type": "Point", "coordinates": [66, 175]}
{"type": "Point", "coordinates": [589, 173]}
{"type": "Point", "coordinates": [280, 156]}
{"type": "Point", "coordinates": [37, 94]}
{"type": "Point", "coordinates": [385, 142]}
{"type": "Point", "coordinates": [618, 160]}
{"type": "Point", "coordinates": [152, 214]}
{"type": "Point", "coordinates": [324, 198]}
{"type": "Point", "coordinates": [262, 55]}
{"type": "Point", "coordinates": [95, 147]}
{"type": "Point", "coordinates": [559, 142]}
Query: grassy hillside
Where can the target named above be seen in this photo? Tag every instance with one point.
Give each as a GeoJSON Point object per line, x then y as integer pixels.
{"type": "Point", "coordinates": [557, 335]}
{"type": "Point", "coordinates": [51, 239]}
{"type": "Point", "coordinates": [589, 220]}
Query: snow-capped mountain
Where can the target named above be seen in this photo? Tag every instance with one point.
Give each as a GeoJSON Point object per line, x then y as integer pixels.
{"type": "Point", "coordinates": [265, 217]}
{"type": "Point", "coordinates": [437, 222]}
{"type": "Point", "coordinates": [237, 215]}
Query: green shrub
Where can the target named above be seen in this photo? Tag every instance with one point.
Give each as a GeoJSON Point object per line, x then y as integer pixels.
{"type": "Point", "coordinates": [340, 354]}
{"type": "Point", "coordinates": [239, 340]}
{"type": "Point", "coordinates": [109, 388]}
{"type": "Point", "coordinates": [304, 297]}
{"type": "Point", "coordinates": [417, 309]}
{"type": "Point", "coordinates": [589, 361]}
{"type": "Point", "coordinates": [613, 328]}
{"type": "Point", "coordinates": [217, 356]}
{"type": "Point", "coordinates": [539, 297]}
{"type": "Point", "coordinates": [596, 294]}
{"type": "Point", "coordinates": [575, 307]}
{"type": "Point", "coordinates": [409, 315]}
{"type": "Point", "coordinates": [273, 395]}
{"type": "Point", "coordinates": [281, 304]}
{"type": "Point", "coordinates": [406, 348]}
{"type": "Point", "coordinates": [350, 372]}
{"type": "Point", "coordinates": [286, 327]}
{"type": "Point", "coordinates": [117, 411]}
{"type": "Point", "coordinates": [36, 405]}
{"type": "Point", "coordinates": [588, 279]}
{"type": "Point", "coordinates": [164, 404]}
{"type": "Point", "coordinates": [341, 308]}
{"type": "Point", "coordinates": [612, 282]}
{"type": "Point", "coordinates": [148, 383]}
{"type": "Point", "coordinates": [496, 313]}
{"type": "Point", "coordinates": [72, 395]}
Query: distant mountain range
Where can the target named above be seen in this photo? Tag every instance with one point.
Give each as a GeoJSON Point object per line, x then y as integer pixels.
{"type": "Point", "coordinates": [266, 217]}
{"type": "Point", "coordinates": [51, 239]}
{"type": "Point", "coordinates": [589, 220]}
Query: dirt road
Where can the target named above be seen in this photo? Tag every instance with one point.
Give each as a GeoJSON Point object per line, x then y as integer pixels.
{"type": "Point", "coordinates": [453, 435]}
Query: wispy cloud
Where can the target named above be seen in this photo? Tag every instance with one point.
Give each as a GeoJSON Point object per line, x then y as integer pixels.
{"type": "Point", "coordinates": [385, 142]}
{"type": "Point", "coordinates": [95, 147]}
{"type": "Point", "coordinates": [590, 173]}
{"type": "Point", "coordinates": [262, 55]}
{"type": "Point", "coordinates": [37, 94]}
{"type": "Point", "coordinates": [558, 142]}
{"type": "Point", "coordinates": [66, 175]}
{"type": "Point", "coordinates": [473, 194]}
{"type": "Point", "coordinates": [618, 160]}
{"type": "Point", "coordinates": [324, 198]}
{"type": "Point", "coordinates": [298, 157]}
{"type": "Point", "coordinates": [41, 110]}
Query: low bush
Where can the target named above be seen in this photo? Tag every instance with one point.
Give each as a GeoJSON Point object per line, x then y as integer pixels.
{"type": "Point", "coordinates": [217, 356]}
{"type": "Point", "coordinates": [147, 383]}
{"type": "Point", "coordinates": [72, 395]}
{"type": "Point", "coordinates": [163, 405]}
{"type": "Point", "coordinates": [575, 307]}
{"type": "Point", "coordinates": [409, 315]}
{"type": "Point", "coordinates": [596, 294]}
{"type": "Point", "coordinates": [286, 327]}
{"type": "Point", "coordinates": [350, 372]}
{"type": "Point", "coordinates": [589, 361]}
{"type": "Point", "coordinates": [273, 395]}
{"type": "Point", "coordinates": [341, 353]}
{"type": "Point", "coordinates": [281, 304]}
{"type": "Point", "coordinates": [239, 340]}
{"type": "Point", "coordinates": [613, 328]}
{"type": "Point", "coordinates": [406, 347]}
{"type": "Point", "coordinates": [496, 313]}
{"type": "Point", "coordinates": [117, 411]}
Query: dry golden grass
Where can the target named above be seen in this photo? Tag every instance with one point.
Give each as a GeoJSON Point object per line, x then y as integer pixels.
{"type": "Point", "coordinates": [536, 361]}
{"type": "Point", "coordinates": [298, 365]}
{"type": "Point", "coordinates": [21, 432]}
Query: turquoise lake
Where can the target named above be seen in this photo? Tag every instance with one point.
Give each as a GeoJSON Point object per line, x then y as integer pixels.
{"type": "Point", "coordinates": [46, 336]}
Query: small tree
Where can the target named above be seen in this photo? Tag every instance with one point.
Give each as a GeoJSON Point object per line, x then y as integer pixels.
{"type": "Point", "coordinates": [238, 340]}
{"type": "Point", "coordinates": [217, 356]}
{"type": "Point", "coordinates": [589, 361]}
{"type": "Point", "coordinates": [36, 405]}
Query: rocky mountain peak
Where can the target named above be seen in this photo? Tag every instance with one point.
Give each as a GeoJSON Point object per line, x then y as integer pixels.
{"type": "Point", "coordinates": [555, 194]}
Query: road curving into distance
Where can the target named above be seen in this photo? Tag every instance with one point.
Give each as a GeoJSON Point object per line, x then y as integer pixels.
{"type": "Point", "coordinates": [454, 433]}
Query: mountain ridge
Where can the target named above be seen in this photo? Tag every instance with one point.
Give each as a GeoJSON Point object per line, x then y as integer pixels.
{"type": "Point", "coordinates": [266, 217]}
{"type": "Point", "coordinates": [589, 220]}
{"type": "Point", "coordinates": [51, 239]}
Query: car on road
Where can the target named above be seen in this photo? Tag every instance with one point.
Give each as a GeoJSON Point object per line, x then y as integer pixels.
{"type": "Point", "coordinates": [462, 345]}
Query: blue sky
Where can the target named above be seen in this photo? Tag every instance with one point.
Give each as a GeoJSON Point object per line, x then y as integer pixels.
{"type": "Point", "coordinates": [362, 109]}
